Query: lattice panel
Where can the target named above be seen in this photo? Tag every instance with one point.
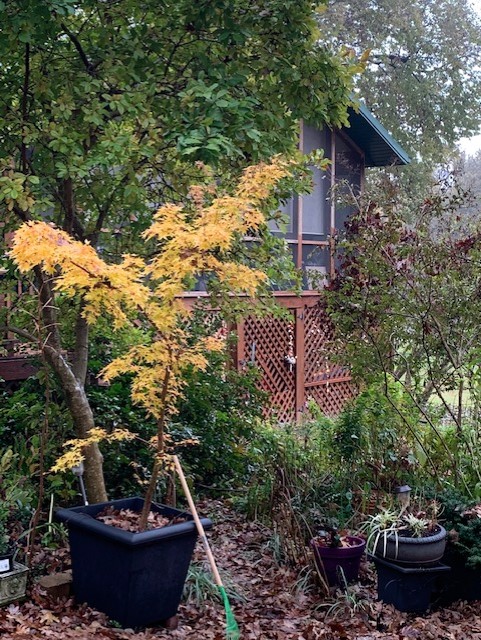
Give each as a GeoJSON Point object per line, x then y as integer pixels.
{"type": "Point", "coordinates": [266, 344]}
{"type": "Point", "coordinates": [317, 335]}
{"type": "Point", "coordinates": [331, 397]}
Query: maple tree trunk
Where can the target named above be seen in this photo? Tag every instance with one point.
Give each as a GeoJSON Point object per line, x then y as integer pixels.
{"type": "Point", "coordinates": [149, 496]}
{"type": "Point", "coordinates": [83, 420]}
{"type": "Point", "coordinates": [72, 379]}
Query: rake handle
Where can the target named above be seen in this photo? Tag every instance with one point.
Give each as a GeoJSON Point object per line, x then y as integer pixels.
{"type": "Point", "coordinates": [198, 523]}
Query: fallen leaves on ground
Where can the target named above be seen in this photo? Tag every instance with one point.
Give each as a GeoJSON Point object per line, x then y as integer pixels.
{"type": "Point", "coordinates": [268, 608]}
{"type": "Point", "coordinates": [128, 520]}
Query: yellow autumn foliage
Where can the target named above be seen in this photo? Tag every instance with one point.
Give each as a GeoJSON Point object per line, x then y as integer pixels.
{"type": "Point", "coordinates": [76, 448]}
{"type": "Point", "coordinates": [193, 239]}
{"type": "Point", "coordinates": [77, 269]}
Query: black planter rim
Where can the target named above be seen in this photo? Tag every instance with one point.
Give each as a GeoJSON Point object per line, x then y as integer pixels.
{"type": "Point", "coordinates": [435, 537]}
{"type": "Point", "coordinates": [77, 517]}
{"type": "Point", "coordinates": [356, 543]}
{"type": "Point", "coordinates": [439, 567]}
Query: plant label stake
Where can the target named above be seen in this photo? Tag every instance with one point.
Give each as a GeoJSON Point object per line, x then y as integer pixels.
{"type": "Point", "coordinates": [232, 629]}
{"type": "Point", "coordinates": [78, 471]}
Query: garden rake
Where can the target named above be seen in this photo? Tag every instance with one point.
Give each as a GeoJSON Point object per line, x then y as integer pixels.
{"type": "Point", "coordinates": [232, 629]}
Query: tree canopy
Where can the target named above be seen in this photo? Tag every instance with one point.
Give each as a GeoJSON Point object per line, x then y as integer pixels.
{"type": "Point", "coordinates": [112, 108]}
{"type": "Point", "coordinates": [107, 105]}
{"type": "Point", "coordinates": [423, 80]}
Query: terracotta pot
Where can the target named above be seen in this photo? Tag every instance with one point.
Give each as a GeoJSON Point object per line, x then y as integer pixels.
{"type": "Point", "coordinates": [336, 562]}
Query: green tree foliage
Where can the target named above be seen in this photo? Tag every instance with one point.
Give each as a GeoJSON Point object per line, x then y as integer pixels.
{"type": "Point", "coordinates": [465, 172]}
{"type": "Point", "coordinates": [423, 80]}
{"type": "Point", "coordinates": [105, 105]}
{"type": "Point", "coordinates": [108, 107]}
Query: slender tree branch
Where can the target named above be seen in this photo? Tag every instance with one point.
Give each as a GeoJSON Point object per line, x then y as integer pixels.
{"type": "Point", "coordinates": [69, 205]}
{"type": "Point", "coordinates": [89, 66]}
{"type": "Point", "coordinates": [19, 332]}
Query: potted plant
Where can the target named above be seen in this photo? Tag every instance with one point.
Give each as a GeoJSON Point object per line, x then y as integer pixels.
{"type": "Point", "coordinates": [192, 239]}
{"type": "Point", "coordinates": [406, 547]}
{"type": "Point", "coordinates": [337, 555]}
{"type": "Point", "coordinates": [136, 578]}
{"type": "Point", "coordinates": [13, 575]}
{"type": "Point", "coordinates": [13, 578]}
{"type": "Point", "coordinates": [462, 519]}
{"type": "Point", "coordinates": [404, 537]}
{"type": "Point", "coordinates": [7, 549]}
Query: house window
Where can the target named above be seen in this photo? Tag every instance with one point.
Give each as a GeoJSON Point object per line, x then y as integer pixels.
{"type": "Point", "coordinates": [348, 179]}
{"type": "Point", "coordinates": [288, 228]}
{"type": "Point", "coordinates": [313, 216]}
{"type": "Point", "coordinates": [315, 205]}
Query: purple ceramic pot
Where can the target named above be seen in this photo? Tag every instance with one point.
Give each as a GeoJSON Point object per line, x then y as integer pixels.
{"type": "Point", "coordinates": [334, 562]}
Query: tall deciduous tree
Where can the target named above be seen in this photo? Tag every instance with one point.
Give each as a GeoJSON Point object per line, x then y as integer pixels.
{"type": "Point", "coordinates": [423, 79]}
{"type": "Point", "coordinates": [106, 107]}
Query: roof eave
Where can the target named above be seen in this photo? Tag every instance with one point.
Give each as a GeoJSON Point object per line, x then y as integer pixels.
{"type": "Point", "coordinates": [379, 147]}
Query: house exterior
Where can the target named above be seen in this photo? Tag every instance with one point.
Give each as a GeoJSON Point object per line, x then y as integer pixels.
{"type": "Point", "coordinates": [292, 356]}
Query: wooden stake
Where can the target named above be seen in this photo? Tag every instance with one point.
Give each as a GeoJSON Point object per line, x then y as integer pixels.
{"type": "Point", "coordinates": [198, 523]}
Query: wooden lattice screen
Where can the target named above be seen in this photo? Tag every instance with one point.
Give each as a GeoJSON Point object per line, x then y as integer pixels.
{"type": "Point", "coordinates": [267, 342]}
{"type": "Point", "coordinates": [327, 384]}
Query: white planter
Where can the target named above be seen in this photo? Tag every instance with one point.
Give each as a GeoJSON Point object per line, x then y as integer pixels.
{"type": "Point", "coordinates": [13, 584]}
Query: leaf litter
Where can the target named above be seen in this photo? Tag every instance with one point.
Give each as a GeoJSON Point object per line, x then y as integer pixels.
{"type": "Point", "coordinates": [268, 607]}
{"type": "Point", "coordinates": [128, 520]}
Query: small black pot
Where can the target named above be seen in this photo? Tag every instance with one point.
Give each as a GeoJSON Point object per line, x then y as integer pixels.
{"type": "Point", "coordinates": [137, 579]}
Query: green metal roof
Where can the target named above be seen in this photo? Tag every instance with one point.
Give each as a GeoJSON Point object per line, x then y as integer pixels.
{"type": "Point", "coordinates": [379, 147]}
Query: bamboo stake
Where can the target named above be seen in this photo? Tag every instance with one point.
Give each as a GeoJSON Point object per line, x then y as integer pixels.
{"type": "Point", "coordinates": [232, 630]}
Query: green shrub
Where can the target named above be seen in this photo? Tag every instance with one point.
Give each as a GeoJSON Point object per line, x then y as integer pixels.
{"type": "Point", "coordinates": [463, 522]}
{"type": "Point", "coordinates": [22, 417]}
{"type": "Point", "coordinates": [375, 438]}
{"type": "Point", "coordinates": [292, 487]}
{"type": "Point", "coordinates": [220, 409]}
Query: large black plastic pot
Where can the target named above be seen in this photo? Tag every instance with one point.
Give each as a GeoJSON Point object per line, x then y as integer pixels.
{"type": "Point", "coordinates": [411, 552]}
{"type": "Point", "coordinates": [339, 564]}
{"type": "Point", "coordinates": [409, 589]}
{"type": "Point", "coordinates": [137, 579]}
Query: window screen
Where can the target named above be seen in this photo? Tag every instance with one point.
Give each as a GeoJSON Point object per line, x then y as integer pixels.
{"type": "Point", "coordinates": [348, 180]}
{"type": "Point", "coordinates": [314, 205]}
{"type": "Point", "coordinates": [287, 211]}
